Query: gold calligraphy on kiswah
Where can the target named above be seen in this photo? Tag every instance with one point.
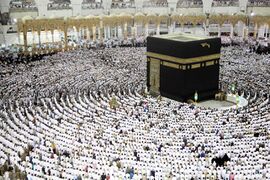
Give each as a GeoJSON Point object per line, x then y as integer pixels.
{"type": "Point", "coordinates": [205, 45]}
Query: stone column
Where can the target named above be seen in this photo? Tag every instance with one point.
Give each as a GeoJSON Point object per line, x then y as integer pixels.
{"type": "Point", "coordinates": [109, 32]}
{"type": "Point", "coordinates": [231, 33]}
{"type": "Point", "coordinates": [88, 33]}
{"type": "Point", "coordinates": [135, 30]}
{"type": "Point", "coordinates": [205, 29]}
{"type": "Point", "coordinates": [119, 32]}
{"type": "Point", "coordinates": [115, 32]}
{"type": "Point", "coordinates": [158, 28]}
{"type": "Point", "coordinates": [66, 40]}
{"type": "Point", "coordinates": [52, 33]}
{"type": "Point", "coordinates": [100, 31]}
{"type": "Point", "coordinates": [247, 33]}
{"type": "Point", "coordinates": [243, 31]}
{"type": "Point", "coordinates": [105, 32]}
{"type": "Point", "coordinates": [125, 31]}
{"type": "Point", "coordinates": [265, 30]}
{"type": "Point", "coordinates": [46, 35]}
{"type": "Point", "coordinates": [255, 31]}
{"type": "Point", "coordinates": [146, 29]}
{"type": "Point", "coordinates": [78, 33]}
{"type": "Point", "coordinates": [33, 40]}
{"type": "Point", "coordinates": [19, 37]}
{"type": "Point", "coordinates": [194, 28]}
{"type": "Point", "coordinates": [94, 33]}
{"type": "Point", "coordinates": [219, 30]}
{"type": "Point", "coordinates": [183, 27]}
{"type": "Point", "coordinates": [33, 37]}
{"type": "Point", "coordinates": [171, 27]}
{"type": "Point", "coordinates": [39, 38]}
{"type": "Point", "coordinates": [25, 39]}
{"type": "Point", "coordinates": [99, 36]}
{"type": "Point", "coordinates": [82, 33]}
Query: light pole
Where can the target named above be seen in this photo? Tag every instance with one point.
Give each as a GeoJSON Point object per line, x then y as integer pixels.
{"type": "Point", "coordinates": [196, 96]}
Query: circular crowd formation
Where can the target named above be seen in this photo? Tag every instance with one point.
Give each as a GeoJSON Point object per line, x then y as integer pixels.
{"type": "Point", "coordinates": [57, 120]}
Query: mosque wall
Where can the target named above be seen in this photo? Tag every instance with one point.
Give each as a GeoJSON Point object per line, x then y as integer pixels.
{"type": "Point", "coordinates": [12, 38]}
{"type": "Point", "coordinates": [77, 10]}
{"type": "Point", "coordinates": [8, 39]}
{"type": "Point", "coordinates": [17, 15]}
{"type": "Point", "coordinates": [225, 10]}
{"type": "Point", "coordinates": [265, 11]}
{"type": "Point", "coordinates": [127, 10]}
{"type": "Point", "coordinates": [4, 5]}
{"type": "Point", "coordinates": [195, 11]}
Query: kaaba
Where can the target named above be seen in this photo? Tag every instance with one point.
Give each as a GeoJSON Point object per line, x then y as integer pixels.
{"type": "Point", "coordinates": [180, 65]}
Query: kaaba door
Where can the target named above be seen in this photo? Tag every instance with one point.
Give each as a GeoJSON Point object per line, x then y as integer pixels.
{"type": "Point", "coordinates": [154, 76]}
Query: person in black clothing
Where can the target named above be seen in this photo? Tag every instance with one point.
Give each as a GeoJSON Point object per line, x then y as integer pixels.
{"type": "Point", "coordinates": [103, 176]}
{"type": "Point", "coordinates": [152, 173]}
{"type": "Point", "coordinates": [159, 148]}
{"type": "Point", "coordinates": [135, 153]}
{"type": "Point", "coordinates": [43, 170]}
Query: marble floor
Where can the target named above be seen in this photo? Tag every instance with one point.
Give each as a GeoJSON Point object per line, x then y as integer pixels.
{"type": "Point", "coordinates": [216, 104]}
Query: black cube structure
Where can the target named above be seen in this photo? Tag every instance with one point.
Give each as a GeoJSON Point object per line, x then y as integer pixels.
{"type": "Point", "coordinates": [178, 65]}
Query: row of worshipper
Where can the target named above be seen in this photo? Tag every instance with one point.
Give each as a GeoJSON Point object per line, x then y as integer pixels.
{"type": "Point", "coordinates": [8, 55]}
{"type": "Point", "coordinates": [75, 133]}
{"type": "Point", "coordinates": [161, 149]}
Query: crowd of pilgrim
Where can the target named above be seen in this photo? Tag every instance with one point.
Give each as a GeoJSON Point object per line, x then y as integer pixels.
{"type": "Point", "coordinates": [86, 114]}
